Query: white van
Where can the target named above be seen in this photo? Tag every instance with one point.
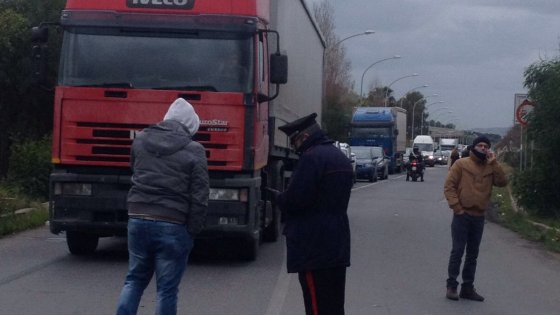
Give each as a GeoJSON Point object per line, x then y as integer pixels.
{"type": "Point", "coordinates": [426, 146]}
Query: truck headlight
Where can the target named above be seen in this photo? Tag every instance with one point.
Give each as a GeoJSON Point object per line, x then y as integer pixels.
{"type": "Point", "coordinates": [228, 194]}
{"type": "Point", "coordinates": [76, 189]}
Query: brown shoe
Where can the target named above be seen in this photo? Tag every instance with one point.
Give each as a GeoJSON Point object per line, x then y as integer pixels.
{"type": "Point", "coordinates": [470, 294]}
{"type": "Point", "coordinates": [452, 294]}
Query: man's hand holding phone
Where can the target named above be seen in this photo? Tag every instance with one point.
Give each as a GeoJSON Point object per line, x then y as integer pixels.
{"type": "Point", "coordinates": [490, 156]}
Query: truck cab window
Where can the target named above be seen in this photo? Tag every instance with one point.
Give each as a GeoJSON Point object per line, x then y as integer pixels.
{"type": "Point", "coordinates": [220, 64]}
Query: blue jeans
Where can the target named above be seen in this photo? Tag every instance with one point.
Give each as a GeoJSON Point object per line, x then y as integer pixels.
{"type": "Point", "coordinates": [466, 232]}
{"type": "Point", "coordinates": [160, 247]}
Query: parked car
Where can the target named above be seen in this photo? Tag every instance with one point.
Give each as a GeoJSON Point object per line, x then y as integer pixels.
{"type": "Point", "coordinates": [382, 161]}
{"type": "Point", "coordinates": [366, 165]}
{"type": "Point", "coordinates": [347, 150]}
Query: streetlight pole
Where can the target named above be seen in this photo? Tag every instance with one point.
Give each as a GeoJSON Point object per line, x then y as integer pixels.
{"type": "Point", "coordinates": [440, 102]}
{"type": "Point", "coordinates": [418, 87]}
{"type": "Point", "coordinates": [329, 67]}
{"type": "Point", "coordinates": [442, 113]}
{"type": "Point", "coordinates": [422, 122]}
{"type": "Point", "coordinates": [414, 108]}
{"type": "Point", "coordinates": [389, 86]}
{"type": "Point", "coordinates": [367, 32]}
{"type": "Point", "coordinates": [369, 67]}
{"type": "Point", "coordinates": [449, 111]}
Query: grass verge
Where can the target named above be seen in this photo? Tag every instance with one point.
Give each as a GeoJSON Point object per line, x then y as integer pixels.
{"type": "Point", "coordinates": [545, 231]}
{"type": "Point", "coordinates": [12, 222]}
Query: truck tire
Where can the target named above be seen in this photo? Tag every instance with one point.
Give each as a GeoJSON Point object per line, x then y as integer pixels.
{"type": "Point", "coordinates": [275, 179]}
{"type": "Point", "coordinates": [81, 244]}
{"type": "Point", "coordinates": [272, 231]}
{"type": "Point", "coordinates": [250, 249]}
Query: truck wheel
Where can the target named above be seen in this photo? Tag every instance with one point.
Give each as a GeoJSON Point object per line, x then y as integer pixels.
{"type": "Point", "coordinates": [81, 244]}
{"type": "Point", "coordinates": [249, 249]}
{"type": "Point", "coordinates": [275, 179]}
{"type": "Point", "coordinates": [272, 231]}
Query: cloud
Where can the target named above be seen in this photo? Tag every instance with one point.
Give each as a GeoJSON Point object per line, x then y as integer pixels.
{"type": "Point", "coordinates": [471, 52]}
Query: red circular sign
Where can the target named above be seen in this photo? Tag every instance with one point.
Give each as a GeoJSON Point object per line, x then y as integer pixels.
{"type": "Point", "coordinates": [523, 111]}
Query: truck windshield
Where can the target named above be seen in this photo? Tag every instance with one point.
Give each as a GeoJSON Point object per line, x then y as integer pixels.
{"type": "Point", "coordinates": [370, 132]}
{"type": "Point", "coordinates": [422, 147]}
{"type": "Point", "coordinates": [156, 61]}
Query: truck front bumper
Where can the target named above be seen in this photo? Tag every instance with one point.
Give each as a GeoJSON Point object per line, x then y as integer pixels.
{"type": "Point", "coordinates": [93, 204]}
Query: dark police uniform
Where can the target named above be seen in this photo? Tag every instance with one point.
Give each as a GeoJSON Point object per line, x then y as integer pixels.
{"type": "Point", "coordinates": [317, 229]}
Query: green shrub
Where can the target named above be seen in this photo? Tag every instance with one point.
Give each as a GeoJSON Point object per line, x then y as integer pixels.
{"type": "Point", "coordinates": [534, 192]}
{"type": "Point", "coordinates": [511, 158]}
{"type": "Point", "coordinates": [30, 166]}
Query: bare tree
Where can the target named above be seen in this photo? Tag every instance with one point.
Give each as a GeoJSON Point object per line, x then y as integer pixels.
{"type": "Point", "coordinates": [338, 84]}
{"type": "Point", "coordinates": [337, 68]}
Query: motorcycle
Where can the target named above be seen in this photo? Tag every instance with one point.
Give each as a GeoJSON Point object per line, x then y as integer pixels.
{"type": "Point", "coordinates": [414, 171]}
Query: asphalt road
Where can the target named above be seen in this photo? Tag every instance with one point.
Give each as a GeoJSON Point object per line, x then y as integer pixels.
{"type": "Point", "coordinates": [400, 246]}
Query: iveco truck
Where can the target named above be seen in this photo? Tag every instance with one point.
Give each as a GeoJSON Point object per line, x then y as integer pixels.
{"type": "Point", "coordinates": [123, 62]}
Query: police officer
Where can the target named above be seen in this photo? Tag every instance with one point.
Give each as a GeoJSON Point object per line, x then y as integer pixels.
{"type": "Point", "coordinates": [317, 229]}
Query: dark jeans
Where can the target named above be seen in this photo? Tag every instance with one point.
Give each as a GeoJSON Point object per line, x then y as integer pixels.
{"type": "Point", "coordinates": [466, 232]}
{"type": "Point", "coordinates": [154, 247]}
{"type": "Point", "coordinates": [323, 291]}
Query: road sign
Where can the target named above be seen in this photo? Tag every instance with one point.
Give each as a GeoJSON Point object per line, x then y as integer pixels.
{"type": "Point", "coordinates": [523, 111]}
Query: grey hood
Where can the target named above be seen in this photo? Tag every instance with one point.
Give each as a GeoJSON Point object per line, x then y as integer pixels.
{"type": "Point", "coordinates": [183, 112]}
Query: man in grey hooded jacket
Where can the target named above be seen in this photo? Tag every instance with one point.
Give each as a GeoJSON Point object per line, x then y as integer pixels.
{"type": "Point", "coordinates": [166, 206]}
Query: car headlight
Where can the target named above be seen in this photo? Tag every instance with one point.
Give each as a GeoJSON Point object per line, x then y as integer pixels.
{"type": "Point", "coordinates": [228, 194]}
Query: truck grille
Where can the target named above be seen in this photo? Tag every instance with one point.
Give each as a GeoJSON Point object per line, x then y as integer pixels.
{"type": "Point", "coordinates": [111, 143]}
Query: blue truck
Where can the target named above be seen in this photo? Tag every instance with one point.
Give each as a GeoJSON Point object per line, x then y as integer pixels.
{"type": "Point", "coordinates": [384, 127]}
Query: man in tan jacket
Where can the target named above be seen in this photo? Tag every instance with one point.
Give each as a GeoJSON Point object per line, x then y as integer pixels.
{"type": "Point", "coordinates": [468, 188]}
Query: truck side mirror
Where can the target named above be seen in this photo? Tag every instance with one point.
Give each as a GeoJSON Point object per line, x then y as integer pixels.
{"type": "Point", "coordinates": [278, 68]}
{"type": "Point", "coordinates": [39, 35]}
{"type": "Point", "coordinates": [278, 74]}
{"type": "Point", "coordinates": [39, 64]}
{"type": "Point", "coordinates": [39, 38]}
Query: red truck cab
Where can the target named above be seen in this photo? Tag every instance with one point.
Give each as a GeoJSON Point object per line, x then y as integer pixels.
{"type": "Point", "coordinates": [122, 64]}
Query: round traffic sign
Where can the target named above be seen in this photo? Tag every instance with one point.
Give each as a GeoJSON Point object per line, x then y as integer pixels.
{"type": "Point", "coordinates": [523, 111]}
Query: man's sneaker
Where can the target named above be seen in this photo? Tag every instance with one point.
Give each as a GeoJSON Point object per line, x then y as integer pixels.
{"type": "Point", "coordinates": [452, 294]}
{"type": "Point", "coordinates": [470, 294]}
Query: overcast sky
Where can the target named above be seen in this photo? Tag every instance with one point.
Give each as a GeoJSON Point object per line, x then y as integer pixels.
{"type": "Point", "coordinates": [471, 52]}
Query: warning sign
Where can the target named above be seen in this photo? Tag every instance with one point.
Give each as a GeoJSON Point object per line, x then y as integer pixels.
{"type": "Point", "coordinates": [523, 111]}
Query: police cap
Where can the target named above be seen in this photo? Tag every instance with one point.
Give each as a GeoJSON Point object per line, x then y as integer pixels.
{"type": "Point", "coordinates": [297, 126]}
